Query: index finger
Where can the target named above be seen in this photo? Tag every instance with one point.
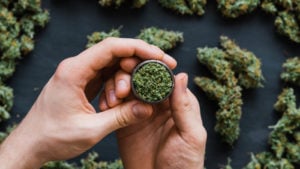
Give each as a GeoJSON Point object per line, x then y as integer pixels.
{"type": "Point", "coordinates": [102, 54]}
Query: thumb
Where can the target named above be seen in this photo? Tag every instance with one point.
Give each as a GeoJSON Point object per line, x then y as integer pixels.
{"type": "Point", "coordinates": [184, 105]}
{"type": "Point", "coordinates": [122, 115]}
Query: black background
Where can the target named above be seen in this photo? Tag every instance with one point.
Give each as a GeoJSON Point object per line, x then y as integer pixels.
{"type": "Point", "coordinates": [72, 20]}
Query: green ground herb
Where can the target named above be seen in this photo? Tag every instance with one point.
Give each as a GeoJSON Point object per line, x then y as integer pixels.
{"type": "Point", "coordinates": [152, 82]}
{"type": "Point", "coordinates": [185, 7]}
{"type": "Point", "coordinates": [236, 8]}
{"type": "Point", "coordinates": [162, 38]}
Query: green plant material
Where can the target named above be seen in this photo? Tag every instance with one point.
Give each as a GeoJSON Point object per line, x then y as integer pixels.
{"type": "Point", "coordinates": [161, 38]}
{"type": "Point", "coordinates": [266, 160]}
{"type": "Point", "coordinates": [236, 8]}
{"type": "Point", "coordinates": [245, 63]}
{"type": "Point", "coordinates": [96, 37]}
{"type": "Point", "coordinates": [59, 165]}
{"type": "Point", "coordinates": [90, 162]}
{"type": "Point", "coordinates": [152, 82]}
{"type": "Point", "coordinates": [233, 68]}
{"type": "Point", "coordinates": [5, 133]}
{"type": "Point", "coordinates": [214, 59]}
{"type": "Point", "coordinates": [118, 3]}
{"type": "Point", "coordinates": [286, 100]}
{"type": "Point", "coordinates": [291, 72]}
{"type": "Point", "coordinates": [6, 102]}
{"type": "Point", "coordinates": [287, 14]}
{"type": "Point", "coordinates": [228, 165]}
{"type": "Point", "coordinates": [287, 25]}
{"type": "Point", "coordinates": [185, 7]}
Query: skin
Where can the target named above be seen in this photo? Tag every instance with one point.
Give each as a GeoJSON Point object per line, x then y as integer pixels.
{"type": "Point", "coordinates": [63, 124]}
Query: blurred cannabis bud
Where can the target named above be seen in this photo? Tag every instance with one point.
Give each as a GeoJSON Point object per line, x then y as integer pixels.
{"type": "Point", "coordinates": [96, 37]}
{"type": "Point", "coordinates": [185, 7]}
{"type": "Point", "coordinates": [90, 162]}
{"type": "Point", "coordinates": [287, 13]}
{"type": "Point", "coordinates": [291, 71]}
{"type": "Point", "coordinates": [284, 138]}
{"type": "Point", "coordinates": [118, 3]}
{"type": "Point", "coordinates": [164, 39]}
{"type": "Point", "coordinates": [18, 22]}
{"type": "Point", "coordinates": [233, 68]}
{"type": "Point", "coordinates": [236, 8]}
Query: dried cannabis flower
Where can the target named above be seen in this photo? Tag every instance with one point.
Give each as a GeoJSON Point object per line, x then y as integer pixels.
{"type": "Point", "coordinates": [162, 38]}
{"type": "Point", "coordinates": [291, 71]}
{"type": "Point", "coordinates": [287, 14]}
{"type": "Point", "coordinates": [118, 3]}
{"type": "Point", "coordinates": [18, 22]}
{"type": "Point", "coordinates": [284, 138]}
{"type": "Point", "coordinates": [225, 65]}
{"type": "Point", "coordinates": [90, 162]}
{"type": "Point", "coordinates": [152, 81]}
{"type": "Point", "coordinates": [96, 37]}
{"type": "Point", "coordinates": [184, 7]}
{"type": "Point", "coordinates": [244, 62]}
{"type": "Point", "coordinates": [236, 8]}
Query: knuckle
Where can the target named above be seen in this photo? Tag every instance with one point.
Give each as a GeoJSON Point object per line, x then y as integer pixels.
{"type": "Point", "coordinates": [109, 40]}
{"type": "Point", "coordinates": [121, 117]}
{"type": "Point", "coordinates": [63, 69]}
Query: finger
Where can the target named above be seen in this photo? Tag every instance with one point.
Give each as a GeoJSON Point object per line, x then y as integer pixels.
{"type": "Point", "coordinates": [102, 102]}
{"type": "Point", "coordinates": [110, 92]}
{"type": "Point", "coordinates": [128, 64]}
{"type": "Point", "coordinates": [184, 105]}
{"type": "Point", "coordinates": [121, 116]}
{"type": "Point", "coordinates": [102, 54]}
{"type": "Point", "coordinates": [122, 84]}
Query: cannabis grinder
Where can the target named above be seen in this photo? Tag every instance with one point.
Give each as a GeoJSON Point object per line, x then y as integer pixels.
{"type": "Point", "coordinates": [152, 81]}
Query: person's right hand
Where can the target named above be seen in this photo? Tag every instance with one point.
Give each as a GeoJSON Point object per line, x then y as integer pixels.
{"type": "Point", "coordinates": [173, 138]}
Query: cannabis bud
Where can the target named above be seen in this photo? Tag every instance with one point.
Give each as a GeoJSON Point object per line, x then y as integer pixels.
{"type": "Point", "coordinates": [233, 68]}
{"type": "Point", "coordinates": [162, 38]}
{"type": "Point", "coordinates": [118, 3]}
{"type": "Point", "coordinates": [185, 7]}
{"type": "Point", "coordinates": [236, 8]}
{"type": "Point", "coordinates": [291, 71]}
{"type": "Point", "coordinates": [96, 37]}
{"type": "Point", "coordinates": [152, 81]}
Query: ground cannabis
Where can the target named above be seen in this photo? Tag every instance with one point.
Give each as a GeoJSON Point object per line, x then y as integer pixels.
{"type": "Point", "coordinates": [185, 7]}
{"type": "Point", "coordinates": [233, 68]}
{"type": "Point", "coordinates": [118, 3]}
{"type": "Point", "coordinates": [291, 71]}
{"type": "Point", "coordinates": [90, 162]}
{"type": "Point", "coordinates": [152, 81]}
{"type": "Point", "coordinates": [236, 8]}
{"type": "Point", "coordinates": [162, 38]}
{"type": "Point", "coordinates": [96, 37]}
{"type": "Point", "coordinates": [6, 102]}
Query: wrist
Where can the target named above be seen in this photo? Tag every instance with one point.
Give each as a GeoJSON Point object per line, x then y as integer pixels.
{"type": "Point", "coordinates": [20, 150]}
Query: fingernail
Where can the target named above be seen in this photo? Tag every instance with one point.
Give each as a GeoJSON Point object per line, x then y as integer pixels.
{"type": "Point", "coordinates": [139, 111]}
{"type": "Point", "coordinates": [184, 81]}
{"type": "Point", "coordinates": [122, 85]}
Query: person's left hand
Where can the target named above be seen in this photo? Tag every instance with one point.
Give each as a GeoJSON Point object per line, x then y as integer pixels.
{"type": "Point", "coordinates": [62, 123]}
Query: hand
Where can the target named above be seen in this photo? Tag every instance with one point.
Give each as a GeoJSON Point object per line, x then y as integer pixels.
{"type": "Point", "coordinates": [173, 138]}
{"type": "Point", "coordinates": [62, 123]}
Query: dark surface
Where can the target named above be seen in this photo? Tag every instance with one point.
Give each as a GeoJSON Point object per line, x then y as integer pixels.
{"type": "Point", "coordinates": [71, 21]}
